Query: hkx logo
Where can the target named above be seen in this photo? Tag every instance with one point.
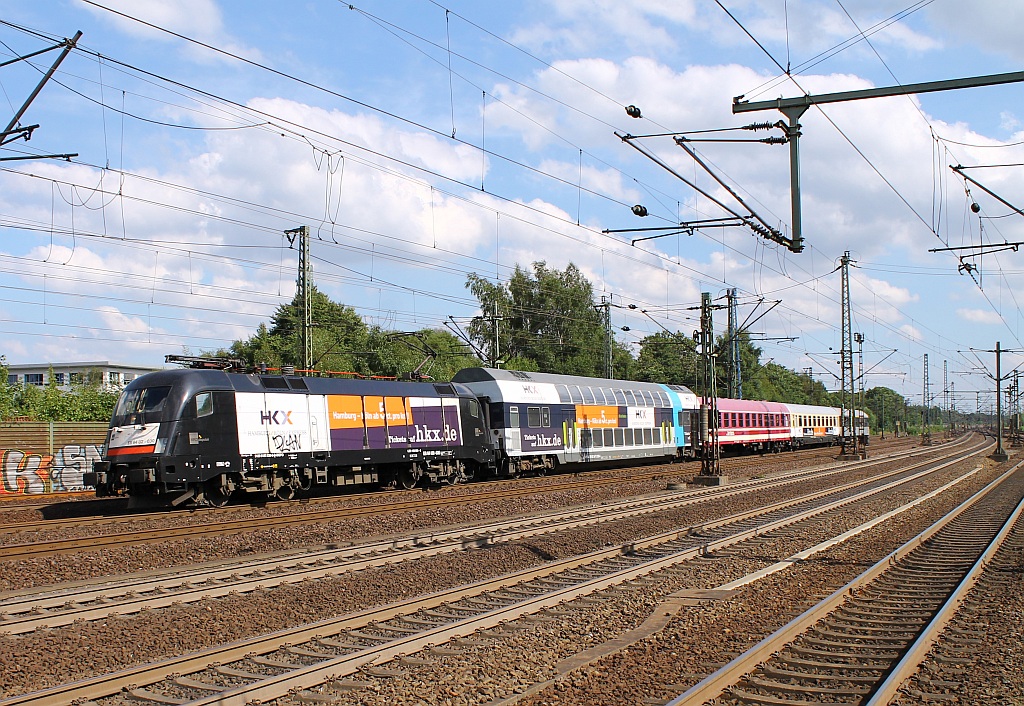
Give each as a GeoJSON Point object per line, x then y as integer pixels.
{"type": "Point", "coordinates": [278, 416]}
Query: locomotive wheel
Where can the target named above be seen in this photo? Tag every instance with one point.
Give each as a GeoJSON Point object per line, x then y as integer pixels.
{"type": "Point", "coordinates": [285, 492]}
{"type": "Point", "coordinates": [405, 478]}
{"type": "Point", "coordinates": [215, 495]}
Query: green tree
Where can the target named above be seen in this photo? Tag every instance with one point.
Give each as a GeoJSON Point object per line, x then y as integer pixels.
{"type": "Point", "coordinates": [669, 358]}
{"type": "Point", "coordinates": [545, 321]}
{"type": "Point", "coordinates": [434, 353]}
{"type": "Point", "coordinates": [340, 337]}
{"type": "Point", "coordinates": [8, 392]}
{"type": "Point", "coordinates": [85, 402]}
{"type": "Point", "coordinates": [885, 407]}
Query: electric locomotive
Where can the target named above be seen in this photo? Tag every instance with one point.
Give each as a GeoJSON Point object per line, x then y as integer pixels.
{"type": "Point", "coordinates": [200, 435]}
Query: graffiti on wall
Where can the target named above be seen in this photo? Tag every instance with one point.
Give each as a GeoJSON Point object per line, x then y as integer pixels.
{"type": "Point", "coordinates": [24, 473]}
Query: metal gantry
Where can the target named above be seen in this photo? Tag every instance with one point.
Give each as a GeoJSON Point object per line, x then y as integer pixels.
{"type": "Point", "coordinates": [12, 132]}
{"type": "Point", "coordinates": [793, 108]}
{"type": "Point", "coordinates": [926, 435]}
{"type": "Point", "coordinates": [304, 294]}
{"type": "Point", "coordinates": [710, 464]}
{"type": "Point", "coordinates": [851, 443]}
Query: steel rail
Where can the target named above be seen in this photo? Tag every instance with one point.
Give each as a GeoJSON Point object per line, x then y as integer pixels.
{"type": "Point", "coordinates": [660, 471]}
{"type": "Point", "coordinates": [931, 634]}
{"type": "Point", "coordinates": [22, 551]}
{"type": "Point", "coordinates": [35, 608]}
{"type": "Point", "coordinates": [716, 684]}
{"type": "Point", "coordinates": [526, 603]}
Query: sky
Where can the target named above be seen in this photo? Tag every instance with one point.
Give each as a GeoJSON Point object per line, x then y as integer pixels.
{"type": "Point", "coordinates": [423, 141]}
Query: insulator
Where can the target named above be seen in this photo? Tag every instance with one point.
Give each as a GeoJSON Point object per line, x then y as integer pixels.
{"type": "Point", "coordinates": [774, 140]}
{"type": "Point", "coordinates": [759, 126]}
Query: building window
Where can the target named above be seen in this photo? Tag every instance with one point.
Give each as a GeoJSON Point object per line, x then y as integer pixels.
{"type": "Point", "coordinates": [34, 379]}
{"type": "Point", "coordinates": [58, 378]}
{"type": "Point", "coordinates": [114, 378]}
{"type": "Point", "coordinates": [12, 379]}
{"type": "Point", "coordinates": [75, 378]}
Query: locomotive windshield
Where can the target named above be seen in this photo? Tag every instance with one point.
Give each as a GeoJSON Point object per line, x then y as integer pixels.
{"type": "Point", "coordinates": [141, 406]}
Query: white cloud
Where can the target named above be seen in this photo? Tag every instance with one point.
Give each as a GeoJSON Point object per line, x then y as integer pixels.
{"type": "Point", "coordinates": [196, 19]}
{"type": "Point", "coordinates": [580, 25]}
{"type": "Point", "coordinates": [991, 25]}
{"type": "Point", "coordinates": [979, 316]}
{"type": "Point", "coordinates": [911, 332]}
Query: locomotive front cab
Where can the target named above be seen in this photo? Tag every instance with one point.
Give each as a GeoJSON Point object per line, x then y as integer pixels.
{"type": "Point", "coordinates": [159, 431]}
{"type": "Point", "coordinates": [134, 441]}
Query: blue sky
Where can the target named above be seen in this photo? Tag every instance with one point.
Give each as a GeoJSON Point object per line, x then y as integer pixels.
{"type": "Point", "coordinates": [204, 134]}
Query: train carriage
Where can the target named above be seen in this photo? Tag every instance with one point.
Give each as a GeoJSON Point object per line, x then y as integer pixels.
{"type": "Point", "coordinates": [541, 421]}
{"type": "Point", "coordinates": [813, 425]}
{"type": "Point", "coordinates": [752, 425]}
{"type": "Point", "coordinates": [686, 419]}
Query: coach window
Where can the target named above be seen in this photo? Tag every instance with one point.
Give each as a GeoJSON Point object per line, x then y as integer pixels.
{"type": "Point", "coordinates": [588, 394]}
{"type": "Point", "coordinates": [545, 416]}
{"type": "Point", "coordinates": [204, 404]}
{"type": "Point", "coordinates": [563, 394]}
{"type": "Point", "coordinates": [630, 398]}
{"type": "Point", "coordinates": [619, 437]}
{"type": "Point", "coordinates": [620, 397]}
{"type": "Point", "coordinates": [648, 400]}
{"type": "Point", "coordinates": [513, 417]}
{"type": "Point", "coordinates": [575, 395]}
{"type": "Point", "coordinates": [474, 409]}
{"type": "Point", "coordinates": [533, 417]}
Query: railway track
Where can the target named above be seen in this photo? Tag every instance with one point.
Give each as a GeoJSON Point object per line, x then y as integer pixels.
{"type": "Point", "coordinates": [28, 610]}
{"type": "Point", "coordinates": [209, 525]}
{"type": "Point", "coordinates": [298, 660]}
{"type": "Point", "coordinates": [115, 510]}
{"type": "Point", "coordinates": [860, 644]}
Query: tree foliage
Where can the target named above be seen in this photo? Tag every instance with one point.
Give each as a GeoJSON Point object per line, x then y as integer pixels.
{"type": "Point", "coordinates": [544, 320]}
{"type": "Point", "coordinates": [340, 337]}
{"type": "Point", "coordinates": [669, 358]}
{"type": "Point", "coordinates": [85, 402]}
{"type": "Point", "coordinates": [343, 342]}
